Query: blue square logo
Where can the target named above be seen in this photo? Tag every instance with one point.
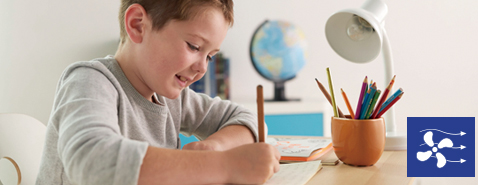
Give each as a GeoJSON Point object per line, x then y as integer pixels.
{"type": "Point", "coordinates": [441, 147]}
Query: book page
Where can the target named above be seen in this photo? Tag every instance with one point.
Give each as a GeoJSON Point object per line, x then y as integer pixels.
{"type": "Point", "coordinates": [296, 173]}
{"type": "Point", "coordinates": [297, 147]}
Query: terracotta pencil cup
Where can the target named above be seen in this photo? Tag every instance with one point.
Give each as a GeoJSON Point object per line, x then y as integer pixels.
{"type": "Point", "coordinates": [358, 142]}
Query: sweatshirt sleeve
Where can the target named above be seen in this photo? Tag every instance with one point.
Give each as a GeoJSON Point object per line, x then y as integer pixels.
{"type": "Point", "coordinates": [203, 115]}
{"type": "Point", "coordinates": [90, 144]}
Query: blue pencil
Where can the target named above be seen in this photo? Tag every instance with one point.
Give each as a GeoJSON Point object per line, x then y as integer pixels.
{"type": "Point", "coordinates": [390, 99]}
{"type": "Point", "coordinates": [367, 101]}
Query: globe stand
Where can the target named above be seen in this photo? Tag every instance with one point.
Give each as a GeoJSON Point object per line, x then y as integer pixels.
{"type": "Point", "coordinates": [279, 93]}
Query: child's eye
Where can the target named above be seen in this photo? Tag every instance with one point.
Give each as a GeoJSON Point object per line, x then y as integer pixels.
{"type": "Point", "coordinates": [209, 58]}
{"type": "Point", "coordinates": [192, 47]}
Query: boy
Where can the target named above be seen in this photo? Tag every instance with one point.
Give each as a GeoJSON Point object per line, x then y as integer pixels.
{"type": "Point", "coordinates": [116, 120]}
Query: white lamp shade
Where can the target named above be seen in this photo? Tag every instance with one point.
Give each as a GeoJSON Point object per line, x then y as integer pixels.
{"type": "Point", "coordinates": [355, 51]}
{"type": "Point", "coordinates": [359, 51]}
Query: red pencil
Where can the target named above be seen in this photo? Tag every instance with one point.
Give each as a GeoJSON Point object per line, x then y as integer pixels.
{"type": "Point", "coordinates": [389, 105]}
{"type": "Point", "coordinates": [382, 99]}
{"type": "Point", "coordinates": [360, 100]}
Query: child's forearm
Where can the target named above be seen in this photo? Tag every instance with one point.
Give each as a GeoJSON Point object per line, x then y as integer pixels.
{"type": "Point", "coordinates": [168, 166]}
{"type": "Point", "coordinates": [232, 136]}
{"type": "Point", "coordinates": [246, 164]}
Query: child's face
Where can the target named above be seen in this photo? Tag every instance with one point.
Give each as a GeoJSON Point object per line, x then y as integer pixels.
{"type": "Point", "coordinates": [177, 55]}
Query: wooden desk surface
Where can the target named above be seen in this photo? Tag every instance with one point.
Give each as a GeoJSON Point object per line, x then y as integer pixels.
{"type": "Point", "coordinates": [391, 168]}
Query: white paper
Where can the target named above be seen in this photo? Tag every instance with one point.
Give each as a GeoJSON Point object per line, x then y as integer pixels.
{"type": "Point", "coordinates": [295, 173]}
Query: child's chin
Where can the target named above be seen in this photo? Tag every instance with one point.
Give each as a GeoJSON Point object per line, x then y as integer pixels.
{"type": "Point", "coordinates": [173, 95]}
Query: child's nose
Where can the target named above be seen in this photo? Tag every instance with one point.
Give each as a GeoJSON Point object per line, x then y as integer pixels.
{"type": "Point", "coordinates": [200, 66]}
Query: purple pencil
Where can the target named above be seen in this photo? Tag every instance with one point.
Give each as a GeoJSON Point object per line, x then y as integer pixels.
{"type": "Point", "coordinates": [360, 100]}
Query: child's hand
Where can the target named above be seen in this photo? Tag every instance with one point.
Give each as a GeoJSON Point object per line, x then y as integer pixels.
{"type": "Point", "coordinates": [203, 145]}
{"type": "Point", "coordinates": [252, 163]}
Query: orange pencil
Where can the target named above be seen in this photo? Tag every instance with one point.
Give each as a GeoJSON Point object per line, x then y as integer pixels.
{"type": "Point", "coordinates": [352, 115]}
{"type": "Point", "coordinates": [327, 96]}
{"type": "Point", "coordinates": [260, 113]}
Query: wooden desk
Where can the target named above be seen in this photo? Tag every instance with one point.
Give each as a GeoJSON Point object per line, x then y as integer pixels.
{"type": "Point", "coordinates": [391, 168]}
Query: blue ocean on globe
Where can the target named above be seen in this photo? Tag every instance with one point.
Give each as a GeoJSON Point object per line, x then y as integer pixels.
{"type": "Point", "coordinates": [278, 50]}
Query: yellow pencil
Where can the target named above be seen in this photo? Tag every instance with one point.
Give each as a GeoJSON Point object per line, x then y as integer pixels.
{"type": "Point", "coordinates": [348, 104]}
{"type": "Point", "coordinates": [331, 87]}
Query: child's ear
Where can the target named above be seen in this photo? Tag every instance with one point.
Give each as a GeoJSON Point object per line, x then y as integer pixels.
{"type": "Point", "coordinates": [135, 22]}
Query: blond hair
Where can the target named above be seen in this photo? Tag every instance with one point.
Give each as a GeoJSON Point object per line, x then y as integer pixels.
{"type": "Point", "coordinates": [162, 11]}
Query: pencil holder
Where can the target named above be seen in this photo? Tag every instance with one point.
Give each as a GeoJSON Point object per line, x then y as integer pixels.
{"type": "Point", "coordinates": [358, 142]}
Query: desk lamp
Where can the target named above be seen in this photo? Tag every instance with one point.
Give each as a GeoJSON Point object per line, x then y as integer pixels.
{"type": "Point", "coordinates": [358, 35]}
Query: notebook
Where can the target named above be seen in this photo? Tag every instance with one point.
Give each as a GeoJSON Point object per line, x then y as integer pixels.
{"type": "Point", "coordinates": [292, 149]}
{"type": "Point", "coordinates": [296, 173]}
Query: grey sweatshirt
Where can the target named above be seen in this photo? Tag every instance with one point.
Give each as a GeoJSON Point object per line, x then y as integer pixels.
{"type": "Point", "coordinates": [100, 126]}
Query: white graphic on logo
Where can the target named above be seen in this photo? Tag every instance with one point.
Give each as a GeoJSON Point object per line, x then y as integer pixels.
{"type": "Point", "coordinates": [423, 156]}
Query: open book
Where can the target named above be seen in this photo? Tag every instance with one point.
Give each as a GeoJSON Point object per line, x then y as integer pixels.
{"type": "Point", "coordinates": [297, 173]}
{"type": "Point", "coordinates": [302, 149]}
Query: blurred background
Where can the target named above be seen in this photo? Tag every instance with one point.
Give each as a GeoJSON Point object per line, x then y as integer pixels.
{"type": "Point", "coordinates": [434, 45]}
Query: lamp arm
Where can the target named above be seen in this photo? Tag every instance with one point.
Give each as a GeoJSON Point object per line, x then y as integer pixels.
{"type": "Point", "coordinates": [388, 64]}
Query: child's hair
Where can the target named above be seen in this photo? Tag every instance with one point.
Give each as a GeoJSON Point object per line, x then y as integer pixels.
{"type": "Point", "coordinates": [161, 11]}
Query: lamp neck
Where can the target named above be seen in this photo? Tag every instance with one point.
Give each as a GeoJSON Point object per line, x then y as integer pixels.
{"type": "Point", "coordinates": [378, 8]}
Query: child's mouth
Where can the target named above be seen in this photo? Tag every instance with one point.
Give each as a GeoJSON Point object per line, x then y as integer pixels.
{"type": "Point", "coordinates": [182, 78]}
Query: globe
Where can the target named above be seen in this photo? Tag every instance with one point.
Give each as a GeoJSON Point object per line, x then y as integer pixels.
{"type": "Point", "coordinates": [277, 52]}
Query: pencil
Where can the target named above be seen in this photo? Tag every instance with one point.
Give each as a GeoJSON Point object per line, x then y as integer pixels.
{"type": "Point", "coordinates": [351, 111]}
{"type": "Point", "coordinates": [389, 105]}
{"type": "Point", "coordinates": [383, 98]}
{"type": "Point", "coordinates": [331, 87]}
{"type": "Point", "coordinates": [367, 101]}
{"type": "Point", "coordinates": [398, 92]}
{"type": "Point", "coordinates": [327, 96]}
{"type": "Point", "coordinates": [373, 90]}
{"type": "Point", "coordinates": [372, 105]}
{"type": "Point", "coordinates": [260, 113]}
{"type": "Point", "coordinates": [360, 100]}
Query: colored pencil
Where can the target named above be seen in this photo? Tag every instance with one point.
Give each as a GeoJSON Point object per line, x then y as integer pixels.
{"type": "Point", "coordinates": [368, 101]}
{"type": "Point", "coordinates": [351, 111]}
{"type": "Point", "coordinates": [360, 100]}
{"type": "Point", "coordinates": [260, 113]}
{"type": "Point", "coordinates": [327, 96]}
{"type": "Point", "coordinates": [383, 98]}
{"type": "Point", "coordinates": [389, 105]}
{"type": "Point", "coordinates": [372, 105]}
{"type": "Point", "coordinates": [331, 87]}
{"type": "Point", "coordinates": [398, 92]}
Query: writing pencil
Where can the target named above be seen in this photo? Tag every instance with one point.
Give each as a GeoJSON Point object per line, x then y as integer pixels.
{"type": "Point", "coordinates": [327, 96]}
{"type": "Point", "coordinates": [383, 98]}
{"type": "Point", "coordinates": [331, 87]}
{"type": "Point", "coordinates": [360, 100]}
{"type": "Point", "coordinates": [389, 105]}
{"type": "Point", "coordinates": [351, 111]}
{"type": "Point", "coordinates": [260, 113]}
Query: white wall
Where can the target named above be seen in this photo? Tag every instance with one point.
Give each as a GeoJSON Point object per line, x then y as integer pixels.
{"type": "Point", "coordinates": [38, 39]}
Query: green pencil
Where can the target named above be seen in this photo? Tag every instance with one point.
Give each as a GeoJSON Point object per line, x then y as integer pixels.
{"type": "Point", "coordinates": [331, 87]}
{"type": "Point", "coordinates": [374, 101]}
